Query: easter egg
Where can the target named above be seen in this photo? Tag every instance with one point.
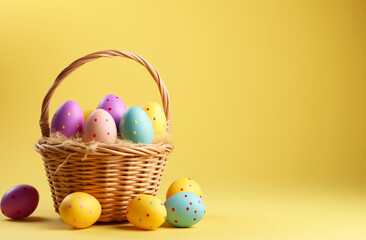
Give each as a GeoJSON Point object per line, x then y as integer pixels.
{"type": "Point", "coordinates": [136, 126]}
{"type": "Point", "coordinates": [100, 127]}
{"type": "Point", "coordinates": [86, 114]}
{"type": "Point", "coordinates": [146, 212]}
{"type": "Point", "coordinates": [80, 210]}
{"type": "Point", "coordinates": [68, 119]}
{"type": "Point", "coordinates": [184, 209]}
{"type": "Point", "coordinates": [157, 117]}
{"type": "Point", "coordinates": [114, 106]}
{"type": "Point", "coordinates": [184, 185]}
{"type": "Point", "coordinates": [20, 201]}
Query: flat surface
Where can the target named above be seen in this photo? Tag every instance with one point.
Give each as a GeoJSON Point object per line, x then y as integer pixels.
{"type": "Point", "coordinates": [251, 214]}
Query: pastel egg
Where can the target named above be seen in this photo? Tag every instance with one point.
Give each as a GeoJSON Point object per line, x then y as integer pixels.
{"type": "Point", "coordinates": [184, 209]}
{"type": "Point", "coordinates": [86, 114]}
{"type": "Point", "coordinates": [184, 185]}
{"type": "Point", "coordinates": [136, 126]}
{"type": "Point", "coordinates": [20, 201]}
{"type": "Point", "coordinates": [146, 212]}
{"type": "Point", "coordinates": [80, 210]}
{"type": "Point", "coordinates": [157, 117]}
{"type": "Point", "coordinates": [114, 106]}
{"type": "Point", "coordinates": [68, 119]}
{"type": "Point", "coordinates": [100, 127]}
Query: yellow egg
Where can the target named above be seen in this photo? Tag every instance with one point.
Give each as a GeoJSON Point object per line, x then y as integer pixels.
{"type": "Point", "coordinates": [157, 117]}
{"type": "Point", "coordinates": [87, 114]}
{"type": "Point", "coordinates": [146, 212]}
{"type": "Point", "coordinates": [184, 185]}
{"type": "Point", "coordinates": [80, 210]}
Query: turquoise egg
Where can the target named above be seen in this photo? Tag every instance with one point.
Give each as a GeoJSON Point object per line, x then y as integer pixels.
{"type": "Point", "coordinates": [136, 126]}
{"type": "Point", "coordinates": [184, 209]}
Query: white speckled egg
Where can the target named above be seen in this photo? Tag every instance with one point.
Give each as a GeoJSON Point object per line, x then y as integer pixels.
{"type": "Point", "coordinates": [100, 127]}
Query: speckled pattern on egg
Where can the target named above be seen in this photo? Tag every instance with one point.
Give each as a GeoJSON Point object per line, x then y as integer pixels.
{"type": "Point", "coordinates": [100, 127]}
{"type": "Point", "coordinates": [185, 184]}
{"type": "Point", "coordinates": [146, 212]}
{"type": "Point", "coordinates": [80, 210]}
{"type": "Point", "coordinates": [20, 201]}
{"type": "Point", "coordinates": [184, 209]}
{"type": "Point", "coordinates": [68, 119]}
{"type": "Point", "coordinates": [114, 105]}
{"type": "Point", "coordinates": [136, 126]}
{"type": "Point", "coordinates": [157, 117]}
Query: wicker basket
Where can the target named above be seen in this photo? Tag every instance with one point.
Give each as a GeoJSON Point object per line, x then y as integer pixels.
{"type": "Point", "coordinates": [113, 173]}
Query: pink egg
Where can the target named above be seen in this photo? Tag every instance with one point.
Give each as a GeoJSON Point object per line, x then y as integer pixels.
{"type": "Point", "coordinates": [19, 201]}
{"type": "Point", "coordinates": [68, 119]}
{"type": "Point", "coordinates": [114, 106]}
{"type": "Point", "coordinates": [100, 127]}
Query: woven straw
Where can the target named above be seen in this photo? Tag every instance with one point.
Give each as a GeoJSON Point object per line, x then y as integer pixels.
{"type": "Point", "coordinates": [113, 173]}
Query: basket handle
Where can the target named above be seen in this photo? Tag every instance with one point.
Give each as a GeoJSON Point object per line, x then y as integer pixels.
{"type": "Point", "coordinates": [44, 121]}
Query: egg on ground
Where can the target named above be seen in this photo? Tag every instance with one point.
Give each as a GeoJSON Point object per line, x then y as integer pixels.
{"type": "Point", "coordinates": [146, 212]}
{"type": "Point", "coordinates": [185, 184]}
{"type": "Point", "coordinates": [184, 209]}
{"type": "Point", "coordinates": [80, 210]}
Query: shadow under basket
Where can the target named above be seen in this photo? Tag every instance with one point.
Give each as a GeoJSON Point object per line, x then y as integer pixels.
{"type": "Point", "coordinates": [112, 173]}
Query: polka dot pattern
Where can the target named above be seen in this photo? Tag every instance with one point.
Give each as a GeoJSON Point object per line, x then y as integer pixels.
{"type": "Point", "coordinates": [114, 106]}
{"type": "Point", "coordinates": [185, 184]}
{"type": "Point", "coordinates": [80, 210]}
{"type": "Point", "coordinates": [100, 127]}
{"type": "Point", "coordinates": [67, 118]}
{"type": "Point", "coordinates": [183, 209]}
{"type": "Point", "coordinates": [135, 128]}
{"type": "Point", "coordinates": [157, 116]}
{"type": "Point", "coordinates": [146, 212]}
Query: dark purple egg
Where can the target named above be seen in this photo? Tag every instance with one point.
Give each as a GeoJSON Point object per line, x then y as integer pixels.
{"type": "Point", "coordinates": [19, 201]}
{"type": "Point", "coordinates": [68, 119]}
{"type": "Point", "coordinates": [114, 106]}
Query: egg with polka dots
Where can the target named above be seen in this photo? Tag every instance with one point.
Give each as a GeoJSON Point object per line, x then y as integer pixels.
{"type": "Point", "coordinates": [114, 105]}
{"type": "Point", "coordinates": [184, 209]}
{"type": "Point", "coordinates": [136, 126]}
{"type": "Point", "coordinates": [20, 201]}
{"type": "Point", "coordinates": [146, 212]}
{"type": "Point", "coordinates": [100, 127]}
{"type": "Point", "coordinates": [185, 184]}
{"type": "Point", "coordinates": [80, 210]}
{"type": "Point", "coordinates": [68, 119]}
{"type": "Point", "coordinates": [157, 117]}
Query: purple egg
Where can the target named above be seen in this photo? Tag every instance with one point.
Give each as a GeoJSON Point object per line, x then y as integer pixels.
{"type": "Point", "coordinates": [114, 106]}
{"type": "Point", "coordinates": [19, 201]}
{"type": "Point", "coordinates": [68, 119]}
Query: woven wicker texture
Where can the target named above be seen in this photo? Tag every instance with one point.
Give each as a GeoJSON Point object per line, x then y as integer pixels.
{"type": "Point", "coordinates": [113, 173]}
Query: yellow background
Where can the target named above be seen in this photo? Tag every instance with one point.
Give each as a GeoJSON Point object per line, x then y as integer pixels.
{"type": "Point", "coordinates": [267, 102]}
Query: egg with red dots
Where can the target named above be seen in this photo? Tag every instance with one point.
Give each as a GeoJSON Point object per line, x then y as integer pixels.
{"type": "Point", "coordinates": [115, 106]}
{"type": "Point", "coordinates": [20, 201]}
{"type": "Point", "coordinates": [68, 119]}
{"type": "Point", "coordinates": [80, 210]}
{"type": "Point", "coordinates": [157, 117]}
{"type": "Point", "coordinates": [185, 184]}
{"type": "Point", "coordinates": [136, 126]}
{"type": "Point", "coordinates": [100, 127]}
{"type": "Point", "coordinates": [146, 212]}
{"type": "Point", "coordinates": [184, 209]}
